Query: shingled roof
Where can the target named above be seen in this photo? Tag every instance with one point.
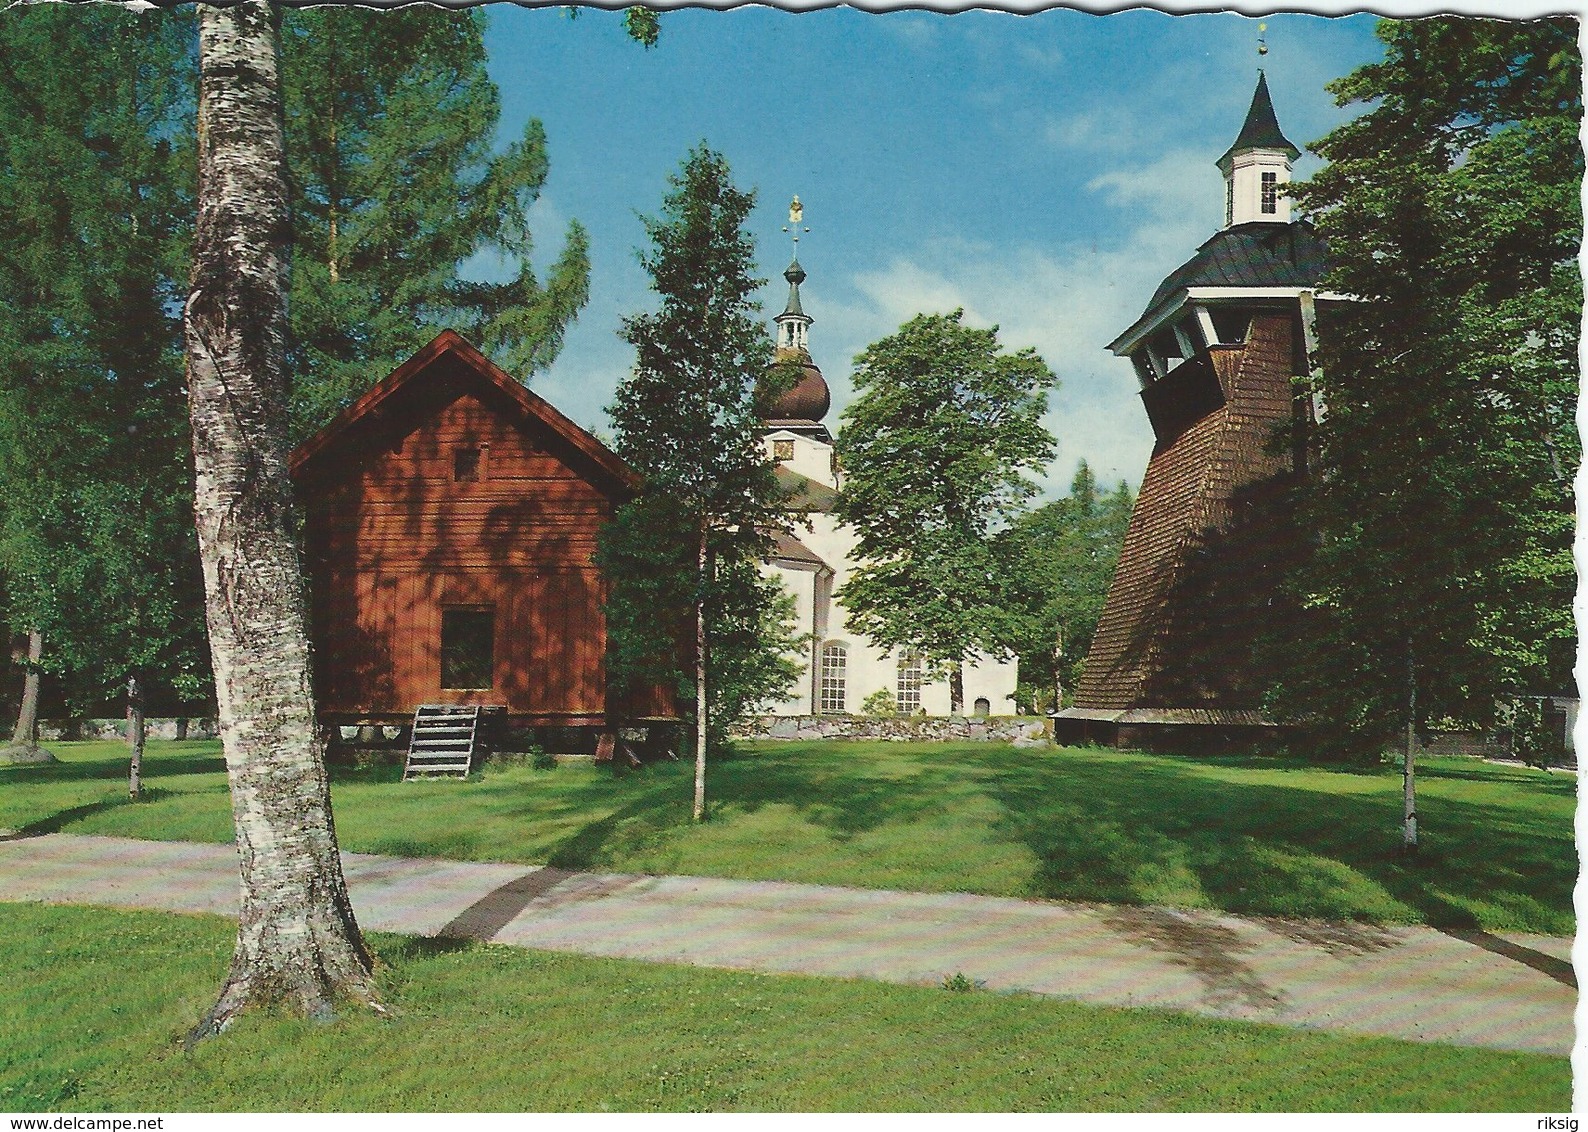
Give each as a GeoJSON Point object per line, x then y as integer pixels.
{"type": "Point", "coordinates": [1261, 128]}
{"type": "Point", "coordinates": [1260, 254]}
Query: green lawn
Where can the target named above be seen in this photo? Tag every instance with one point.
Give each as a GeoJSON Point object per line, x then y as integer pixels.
{"type": "Point", "coordinates": [1252, 835]}
{"type": "Point", "coordinates": [95, 1002]}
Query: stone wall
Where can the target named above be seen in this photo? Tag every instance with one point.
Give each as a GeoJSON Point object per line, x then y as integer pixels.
{"type": "Point", "coordinates": [63, 730]}
{"type": "Point", "coordinates": [1022, 731]}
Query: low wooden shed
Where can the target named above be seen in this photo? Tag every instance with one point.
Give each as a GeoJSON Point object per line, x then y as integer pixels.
{"type": "Point", "coordinates": [451, 519]}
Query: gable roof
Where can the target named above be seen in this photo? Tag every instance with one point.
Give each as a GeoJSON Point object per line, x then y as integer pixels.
{"type": "Point", "coordinates": [450, 351]}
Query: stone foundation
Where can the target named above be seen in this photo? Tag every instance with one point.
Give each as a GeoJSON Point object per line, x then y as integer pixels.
{"type": "Point", "coordinates": [1021, 731]}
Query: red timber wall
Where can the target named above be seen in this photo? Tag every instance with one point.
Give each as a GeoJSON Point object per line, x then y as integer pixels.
{"type": "Point", "coordinates": [1209, 540]}
{"type": "Point", "coordinates": [394, 538]}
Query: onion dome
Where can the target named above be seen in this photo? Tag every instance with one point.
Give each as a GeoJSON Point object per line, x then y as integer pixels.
{"type": "Point", "coordinates": [809, 398]}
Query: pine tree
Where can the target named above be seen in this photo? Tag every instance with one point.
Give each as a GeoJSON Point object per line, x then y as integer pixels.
{"type": "Point", "coordinates": [1061, 559]}
{"type": "Point", "coordinates": [936, 452]}
{"type": "Point", "coordinates": [391, 120]}
{"type": "Point", "coordinates": [96, 531]}
{"type": "Point", "coordinates": [1443, 574]}
{"type": "Point", "coordinates": [687, 418]}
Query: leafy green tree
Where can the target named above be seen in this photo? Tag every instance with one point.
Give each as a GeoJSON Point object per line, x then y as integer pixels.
{"type": "Point", "coordinates": [688, 419]}
{"type": "Point", "coordinates": [1442, 578]}
{"type": "Point", "coordinates": [936, 452]}
{"type": "Point", "coordinates": [96, 531]}
{"type": "Point", "coordinates": [391, 122]}
{"type": "Point", "coordinates": [1061, 559]}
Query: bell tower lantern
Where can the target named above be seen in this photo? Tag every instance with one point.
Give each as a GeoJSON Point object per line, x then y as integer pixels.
{"type": "Point", "coordinates": [1257, 166]}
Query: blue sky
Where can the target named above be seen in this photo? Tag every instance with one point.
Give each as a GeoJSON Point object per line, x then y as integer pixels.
{"type": "Point", "coordinates": [1043, 171]}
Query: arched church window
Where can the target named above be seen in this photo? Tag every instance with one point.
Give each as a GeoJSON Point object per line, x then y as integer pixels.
{"type": "Point", "coordinates": [909, 686]}
{"type": "Point", "coordinates": [834, 682]}
{"type": "Point", "coordinates": [983, 707]}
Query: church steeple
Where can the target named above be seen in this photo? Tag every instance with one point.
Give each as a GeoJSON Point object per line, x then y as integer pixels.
{"type": "Point", "coordinates": [802, 406]}
{"type": "Point", "coordinates": [793, 323]}
{"type": "Point", "coordinates": [1257, 165]}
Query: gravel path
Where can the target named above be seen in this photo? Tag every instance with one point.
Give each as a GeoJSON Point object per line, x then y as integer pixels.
{"type": "Point", "coordinates": [1463, 987]}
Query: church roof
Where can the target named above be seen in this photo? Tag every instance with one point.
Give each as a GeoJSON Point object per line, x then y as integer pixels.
{"type": "Point", "coordinates": [787, 548]}
{"type": "Point", "coordinates": [808, 398]}
{"type": "Point", "coordinates": [801, 493]}
{"type": "Point", "coordinates": [1261, 128]}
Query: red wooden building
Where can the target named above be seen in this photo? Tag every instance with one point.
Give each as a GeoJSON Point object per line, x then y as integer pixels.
{"type": "Point", "coordinates": [451, 520]}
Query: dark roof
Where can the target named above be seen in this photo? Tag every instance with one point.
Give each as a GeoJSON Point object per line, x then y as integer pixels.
{"type": "Point", "coordinates": [807, 398]}
{"type": "Point", "coordinates": [1261, 128]}
{"type": "Point", "coordinates": [787, 548]}
{"type": "Point", "coordinates": [801, 493]}
{"type": "Point", "coordinates": [795, 274]}
{"type": "Point", "coordinates": [1259, 254]}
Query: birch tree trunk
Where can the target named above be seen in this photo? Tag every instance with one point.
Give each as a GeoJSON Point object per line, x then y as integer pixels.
{"type": "Point", "coordinates": [700, 679]}
{"type": "Point", "coordinates": [24, 746]}
{"type": "Point", "coordinates": [26, 733]}
{"type": "Point", "coordinates": [134, 737]}
{"type": "Point", "coordinates": [1409, 760]}
{"type": "Point", "coordinates": [297, 941]}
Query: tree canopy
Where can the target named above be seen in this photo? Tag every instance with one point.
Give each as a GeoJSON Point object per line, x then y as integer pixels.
{"type": "Point", "coordinates": [391, 122]}
{"type": "Point", "coordinates": [96, 531]}
{"type": "Point", "coordinates": [936, 451]}
{"type": "Point", "coordinates": [1061, 558]}
{"type": "Point", "coordinates": [1446, 448]}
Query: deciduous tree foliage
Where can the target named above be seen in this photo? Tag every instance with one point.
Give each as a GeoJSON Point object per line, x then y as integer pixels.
{"type": "Point", "coordinates": [1442, 577]}
{"type": "Point", "coordinates": [96, 530]}
{"type": "Point", "coordinates": [936, 451]}
{"type": "Point", "coordinates": [1061, 558]}
{"type": "Point", "coordinates": [688, 419]}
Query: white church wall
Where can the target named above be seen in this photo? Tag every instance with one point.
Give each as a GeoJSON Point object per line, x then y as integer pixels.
{"type": "Point", "coordinates": [868, 669]}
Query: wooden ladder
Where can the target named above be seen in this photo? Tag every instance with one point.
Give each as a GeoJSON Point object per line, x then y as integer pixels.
{"type": "Point", "coordinates": [442, 742]}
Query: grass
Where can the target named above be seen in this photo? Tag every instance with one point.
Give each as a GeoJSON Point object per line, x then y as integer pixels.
{"type": "Point", "coordinates": [1241, 834]}
{"type": "Point", "coordinates": [95, 1002]}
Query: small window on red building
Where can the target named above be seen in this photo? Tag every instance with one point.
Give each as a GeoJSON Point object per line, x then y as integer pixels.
{"type": "Point", "coordinates": [466, 464]}
{"type": "Point", "coordinates": [468, 648]}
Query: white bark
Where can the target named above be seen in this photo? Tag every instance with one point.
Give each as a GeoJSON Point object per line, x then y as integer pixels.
{"type": "Point", "coordinates": [700, 680]}
{"type": "Point", "coordinates": [134, 738]}
{"type": "Point", "coordinates": [24, 746]}
{"type": "Point", "coordinates": [297, 941]}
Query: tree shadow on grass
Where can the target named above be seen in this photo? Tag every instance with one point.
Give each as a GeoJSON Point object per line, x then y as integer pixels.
{"type": "Point", "coordinates": [156, 764]}
{"type": "Point", "coordinates": [1132, 832]}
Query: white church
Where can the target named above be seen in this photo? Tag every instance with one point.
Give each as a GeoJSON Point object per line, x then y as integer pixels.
{"type": "Point", "coordinates": [842, 668]}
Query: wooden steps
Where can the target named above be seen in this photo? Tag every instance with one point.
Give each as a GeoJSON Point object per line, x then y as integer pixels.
{"type": "Point", "coordinates": [442, 742]}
